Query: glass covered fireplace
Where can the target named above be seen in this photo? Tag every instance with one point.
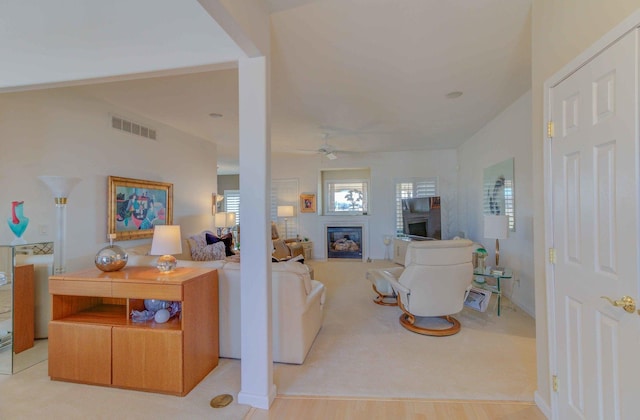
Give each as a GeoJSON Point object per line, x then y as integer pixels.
{"type": "Point", "coordinates": [344, 242]}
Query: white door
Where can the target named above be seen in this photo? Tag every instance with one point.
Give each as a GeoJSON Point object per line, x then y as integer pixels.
{"type": "Point", "coordinates": [595, 171]}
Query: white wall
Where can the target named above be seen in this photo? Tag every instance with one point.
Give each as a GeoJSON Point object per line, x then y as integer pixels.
{"type": "Point", "coordinates": [385, 168]}
{"type": "Point", "coordinates": [59, 132]}
{"type": "Point", "coordinates": [506, 136]}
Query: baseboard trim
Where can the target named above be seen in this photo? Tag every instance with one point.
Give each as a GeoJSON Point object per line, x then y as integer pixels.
{"type": "Point", "coordinates": [436, 400]}
{"type": "Point", "coordinates": [542, 404]}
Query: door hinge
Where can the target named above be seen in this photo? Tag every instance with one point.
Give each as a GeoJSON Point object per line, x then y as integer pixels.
{"type": "Point", "coordinates": [550, 129]}
{"type": "Point", "coordinates": [552, 255]}
{"type": "Point", "coordinates": [554, 380]}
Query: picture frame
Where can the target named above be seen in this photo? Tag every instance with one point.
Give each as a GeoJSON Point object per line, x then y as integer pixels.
{"type": "Point", "coordinates": [499, 191]}
{"type": "Point", "coordinates": [307, 203]}
{"type": "Point", "coordinates": [135, 206]}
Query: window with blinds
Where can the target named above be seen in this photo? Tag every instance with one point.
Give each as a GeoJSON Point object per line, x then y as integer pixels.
{"type": "Point", "coordinates": [232, 203]}
{"type": "Point", "coordinates": [347, 196]}
{"type": "Point", "coordinates": [412, 188]}
{"type": "Point", "coordinates": [284, 192]}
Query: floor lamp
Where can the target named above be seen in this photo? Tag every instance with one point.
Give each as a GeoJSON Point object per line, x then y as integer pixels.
{"type": "Point", "coordinates": [285, 211]}
{"type": "Point", "coordinates": [496, 227]}
{"type": "Point", "coordinates": [60, 187]}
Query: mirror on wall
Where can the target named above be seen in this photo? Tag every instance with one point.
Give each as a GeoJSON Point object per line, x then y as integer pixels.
{"type": "Point", "coordinates": [25, 307]}
{"type": "Point", "coordinates": [499, 192]}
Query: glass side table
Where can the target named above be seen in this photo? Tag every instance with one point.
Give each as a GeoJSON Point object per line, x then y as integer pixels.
{"type": "Point", "coordinates": [494, 289]}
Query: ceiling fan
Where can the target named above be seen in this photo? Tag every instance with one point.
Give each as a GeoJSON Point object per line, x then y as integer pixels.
{"type": "Point", "coordinates": [326, 149]}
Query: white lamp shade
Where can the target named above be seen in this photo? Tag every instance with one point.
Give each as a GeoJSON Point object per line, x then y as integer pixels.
{"type": "Point", "coordinates": [166, 240]}
{"type": "Point", "coordinates": [60, 186]}
{"type": "Point", "coordinates": [496, 226]}
{"type": "Point", "coordinates": [285, 211]}
{"type": "Point", "coordinates": [225, 219]}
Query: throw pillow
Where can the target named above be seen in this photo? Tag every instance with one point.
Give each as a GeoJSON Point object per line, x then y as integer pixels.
{"type": "Point", "coordinates": [228, 244]}
{"type": "Point", "coordinates": [211, 238]}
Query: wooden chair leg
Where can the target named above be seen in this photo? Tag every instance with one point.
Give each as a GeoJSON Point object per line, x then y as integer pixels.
{"type": "Point", "coordinates": [384, 300]}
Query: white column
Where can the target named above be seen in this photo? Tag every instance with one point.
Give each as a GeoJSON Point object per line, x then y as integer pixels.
{"type": "Point", "coordinates": [257, 387]}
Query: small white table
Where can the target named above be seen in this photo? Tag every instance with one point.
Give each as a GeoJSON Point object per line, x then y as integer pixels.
{"type": "Point", "coordinates": [506, 274]}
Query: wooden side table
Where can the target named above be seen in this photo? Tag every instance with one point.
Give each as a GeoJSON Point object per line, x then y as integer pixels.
{"type": "Point", "coordinates": [93, 340]}
{"type": "Point", "coordinates": [307, 247]}
{"type": "Point", "coordinates": [506, 274]}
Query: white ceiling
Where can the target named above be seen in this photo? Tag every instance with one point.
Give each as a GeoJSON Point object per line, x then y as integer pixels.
{"type": "Point", "coordinates": [373, 74]}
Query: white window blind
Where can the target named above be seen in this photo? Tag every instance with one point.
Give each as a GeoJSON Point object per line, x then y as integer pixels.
{"type": "Point", "coordinates": [284, 192]}
{"type": "Point", "coordinates": [232, 203]}
{"type": "Point", "coordinates": [412, 188]}
{"type": "Point", "coordinates": [347, 196]}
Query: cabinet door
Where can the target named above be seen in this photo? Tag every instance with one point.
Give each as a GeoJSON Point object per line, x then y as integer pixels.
{"type": "Point", "coordinates": [148, 359]}
{"type": "Point", "coordinates": [23, 308]}
{"type": "Point", "coordinates": [80, 352]}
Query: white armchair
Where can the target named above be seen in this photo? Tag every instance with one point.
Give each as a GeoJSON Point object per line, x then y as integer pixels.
{"type": "Point", "coordinates": [434, 283]}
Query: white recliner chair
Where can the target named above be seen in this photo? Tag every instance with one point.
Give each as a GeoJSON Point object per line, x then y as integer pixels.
{"type": "Point", "coordinates": [434, 283]}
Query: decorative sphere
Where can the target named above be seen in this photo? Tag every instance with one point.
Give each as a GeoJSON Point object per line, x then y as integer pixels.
{"type": "Point", "coordinates": [111, 258]}
{"type": "Point", "coordinates": [162, 316]}
{"type": "Point", "coordinates": [155, 305]}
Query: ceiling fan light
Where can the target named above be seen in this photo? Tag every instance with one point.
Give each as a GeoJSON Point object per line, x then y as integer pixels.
{"type": "Point", "coordinates": [331, 156]}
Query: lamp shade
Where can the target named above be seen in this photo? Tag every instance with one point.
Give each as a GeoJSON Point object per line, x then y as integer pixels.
{"type": "Point", "coordinates": [496, 226]}
{"type": "Point", "coordinates": [166, 240]}
{"type": "Point", "coordinates": [225, 219]}
{"type": "Point", "coordinates": [60, 186]}
{"type": "Point", "coordinates": [285, 211]}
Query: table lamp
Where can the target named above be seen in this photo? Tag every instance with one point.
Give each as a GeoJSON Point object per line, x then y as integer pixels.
{"type": "Point", "coordinates": [496, 227]}
{"type": "Point", "coordinates": [224, 220]}
{"type": "Point", "coordinates": [285, 211]}
{"type": "Point", "coordinates": [166, 241]}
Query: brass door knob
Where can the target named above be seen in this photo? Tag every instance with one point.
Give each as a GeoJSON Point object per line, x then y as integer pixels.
{"type": "Point", "coordinates": [626, 302]}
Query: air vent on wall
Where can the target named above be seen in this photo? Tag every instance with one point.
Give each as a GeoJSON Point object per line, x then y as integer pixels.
{"type": "Point", "coordinates": [131, 127]}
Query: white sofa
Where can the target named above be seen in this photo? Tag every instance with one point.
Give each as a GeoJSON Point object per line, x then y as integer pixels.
{"type": "Point", "coordinates": [297, 305]}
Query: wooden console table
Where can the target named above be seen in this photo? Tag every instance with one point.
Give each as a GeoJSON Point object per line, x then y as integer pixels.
{"type": "Point", "coordinates": [93, 340]}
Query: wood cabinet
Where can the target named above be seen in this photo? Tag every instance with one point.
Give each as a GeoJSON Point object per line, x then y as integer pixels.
{"type": "Point", "coordinates": [400, 250]}
{"type": "Point", "coordinates": [93, 340]}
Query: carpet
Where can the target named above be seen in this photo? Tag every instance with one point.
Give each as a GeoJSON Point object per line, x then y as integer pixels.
{"type": "Point", "coordinates": [363, 351]}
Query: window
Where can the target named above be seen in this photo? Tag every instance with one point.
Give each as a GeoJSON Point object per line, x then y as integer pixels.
{"type": "Point", "coordinates": [411, 188]}
{"type": "Point", "coordinates": [232, 203]}
{"type": "Point", "coordinates": [347, 196]}
{"type": "Point", "coordinates": [284, 192]}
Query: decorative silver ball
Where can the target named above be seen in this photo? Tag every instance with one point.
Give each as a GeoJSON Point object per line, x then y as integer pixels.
{"type": "Point", "coordinates": [111, 258]}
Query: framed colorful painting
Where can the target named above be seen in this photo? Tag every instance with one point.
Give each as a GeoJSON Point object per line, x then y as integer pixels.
{"type": "Point", "coordinates": [307, 203]}
{"type": "Point", "coordinates": [135, 206]}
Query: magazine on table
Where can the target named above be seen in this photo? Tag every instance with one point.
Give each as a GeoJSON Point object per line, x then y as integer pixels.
{"type": "Point", "coordinates": [478, 299]}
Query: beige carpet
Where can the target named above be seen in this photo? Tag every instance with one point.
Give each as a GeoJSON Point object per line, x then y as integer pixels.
{"type": "Point", "coordinates": [30, 394]}
{"type": "Point", "coordinates": [362, 350]}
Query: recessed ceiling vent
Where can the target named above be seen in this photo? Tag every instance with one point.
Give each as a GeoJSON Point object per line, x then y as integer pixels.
{"type": "Point", "coordinates": [134, 128]}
